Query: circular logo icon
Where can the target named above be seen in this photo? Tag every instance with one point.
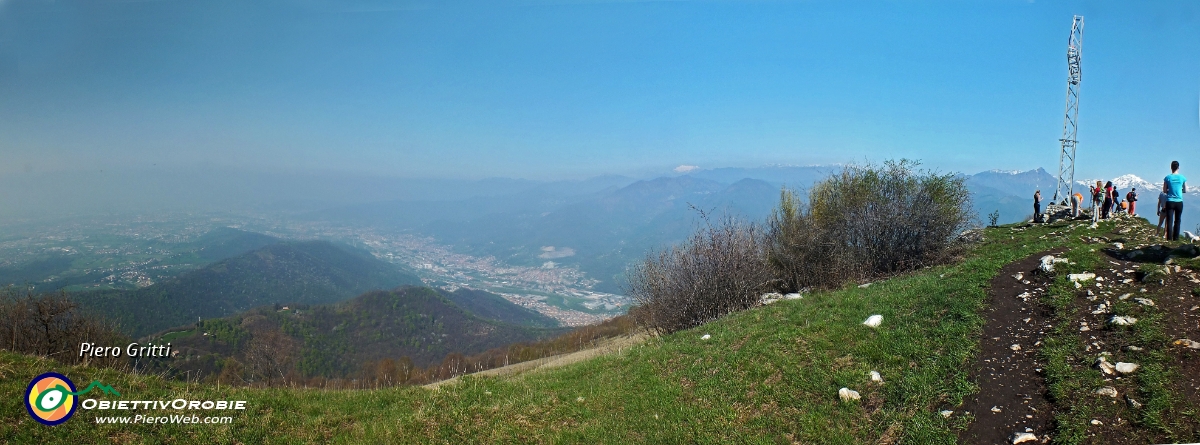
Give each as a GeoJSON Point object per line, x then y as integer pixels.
{"type": "Point", "coordinates": [50, 398]}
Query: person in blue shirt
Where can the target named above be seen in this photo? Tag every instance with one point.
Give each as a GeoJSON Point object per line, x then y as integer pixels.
{"type": "Point", "coordinates": [1174, 185]}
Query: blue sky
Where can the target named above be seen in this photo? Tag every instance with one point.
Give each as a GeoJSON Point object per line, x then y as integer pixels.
{"type": "Point", "coordinates": [561, 89]}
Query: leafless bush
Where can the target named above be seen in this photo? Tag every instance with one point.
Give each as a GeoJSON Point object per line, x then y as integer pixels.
{"type": "Point", "coordinates": [718, 270]}
{"type": "Point", "coordinates": [52, 325]}
{"type": "Point", "coordinates": [269, 356]}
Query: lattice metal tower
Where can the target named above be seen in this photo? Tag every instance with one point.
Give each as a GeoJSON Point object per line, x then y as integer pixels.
{"type": "Point", "coordinates": [1066, 157]}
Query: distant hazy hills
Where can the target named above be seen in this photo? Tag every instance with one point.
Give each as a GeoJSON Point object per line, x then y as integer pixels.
{"type": "Point", "coordinates": [227, 242]}
{"type": "Point", "coordinates": [1009, 192]}
{"type": "Point", "coordinates": [606, 230]}
{"type": "Point", "coordinates": [610, 221]}
{"type": "Point", "coordinates": [338, 339]}
{"type": "Point", "coordinates": [312, 272]}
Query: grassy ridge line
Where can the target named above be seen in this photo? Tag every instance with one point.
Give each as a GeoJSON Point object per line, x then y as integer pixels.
{"type": "Point", "coordinates": [766, 375]}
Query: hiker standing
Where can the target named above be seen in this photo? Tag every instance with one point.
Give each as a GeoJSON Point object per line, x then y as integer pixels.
{"type": "Point", "coordinates": [1174, 185]}
{"type": "Point", "coordinates": [1162, 212]}
{"type": "Point", "coordinates": [1037, 206]}
{"type": "Point", "coordinates": [1108, 200]}
{"type": "Point", "coordinates": [1097, 193]}
{"type": "Point", "coordinates": [1131, 198]}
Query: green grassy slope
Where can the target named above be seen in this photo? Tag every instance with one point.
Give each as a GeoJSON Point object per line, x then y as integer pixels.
{"type": "Point", "coordinates": [766, 375]}
{"type": "Point", "coordinates": [313, 272]}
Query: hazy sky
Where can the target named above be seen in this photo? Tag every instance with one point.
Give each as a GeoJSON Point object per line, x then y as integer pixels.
{"type": "Point", "coordinates": [558, 89]}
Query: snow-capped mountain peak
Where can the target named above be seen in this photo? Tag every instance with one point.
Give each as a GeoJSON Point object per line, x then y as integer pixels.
{"type": "Point", "coordinates": [1129, 181]}
{"type": "Point", "coordinates": [1125, 182]}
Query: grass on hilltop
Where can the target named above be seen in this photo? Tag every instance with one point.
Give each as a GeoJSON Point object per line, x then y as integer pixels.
{"type": "Point", "coordinates": [766, 375]}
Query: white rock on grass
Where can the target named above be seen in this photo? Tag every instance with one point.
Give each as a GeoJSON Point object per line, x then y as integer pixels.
{"type": "Point", "coordinates": [1144, 301]}
{"type": "Point", "coordinates": [1081, 276]}
{"type": "Point", "coordinates": [1023, 437]}
{"type": "Point", "coordinates": [848, 395]}
{"type": "Point", "coordinates": [1188, 343]}
{"type": "Point", "coordinates": [1047, 263]}
{"type": "Point", "coordinates": [875, 377]}
{"type": "Point", "coordinates": [1122, 320]}
{"type": "Point", "coordinates": [1018, 276]}
{"type": "Point", "coordinates": [1127, 368]}
{"type": "Point", "coordinates": [865, 285]}
{"type": "Point", "coordinates": [769, 298]}
{"type": "Point", "coordinates": [793, 296]}
{"type": "Point", "coordinates": [1107, 391]}
{"type": "Point", "coordinates": [1105, 366]}
{"type": "Point", "coordinates": [705, 337]}
{"type": "Point", "coordinates": [874, 321]}
{"type": "Point", "coordinates": [946, 413]}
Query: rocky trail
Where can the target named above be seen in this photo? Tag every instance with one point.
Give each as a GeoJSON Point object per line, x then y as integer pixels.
{"type": "Point", "coordinates": [1012, 391]}
{"type": "Point", "coordinates": [1132, 383]}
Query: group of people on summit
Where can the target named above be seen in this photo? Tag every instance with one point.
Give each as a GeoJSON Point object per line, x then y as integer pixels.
{"type": "Point", "coordinates": [1106, 202]}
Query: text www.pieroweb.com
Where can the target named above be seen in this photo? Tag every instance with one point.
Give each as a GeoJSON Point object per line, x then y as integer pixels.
{"type": "Point", "coordinates": [176, 418]}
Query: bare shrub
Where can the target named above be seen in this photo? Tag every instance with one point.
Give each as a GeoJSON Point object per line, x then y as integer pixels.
{"type": "Point", "coordinates": [269, 356]}
{"type": "Point", "coordinates": [52, 325]}
{"type": "Point", "coordinates": [718, 270]}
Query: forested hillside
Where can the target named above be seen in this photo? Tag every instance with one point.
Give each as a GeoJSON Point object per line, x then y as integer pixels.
{"type": "Point", "coordinates": [313, 272]}
{"type": "Point", "coordinates": [494, 307]}
{"type": "Point", "coordinates": [416, 325]}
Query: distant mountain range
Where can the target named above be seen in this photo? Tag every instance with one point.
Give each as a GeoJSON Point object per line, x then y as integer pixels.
{"type": "Point", "coordinates": [610, 221]}
{"type": "Point", "coordinates": [312, 272]}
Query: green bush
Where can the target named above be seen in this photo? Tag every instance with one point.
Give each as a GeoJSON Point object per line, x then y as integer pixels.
{"type": "Point", "coordinates": [866, 221]}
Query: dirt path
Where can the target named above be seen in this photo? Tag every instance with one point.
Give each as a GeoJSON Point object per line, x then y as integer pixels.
{"type": "Point", "coordinates": [1012, 390]}
{"type": "Point", "coordinates": [609, 346]}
